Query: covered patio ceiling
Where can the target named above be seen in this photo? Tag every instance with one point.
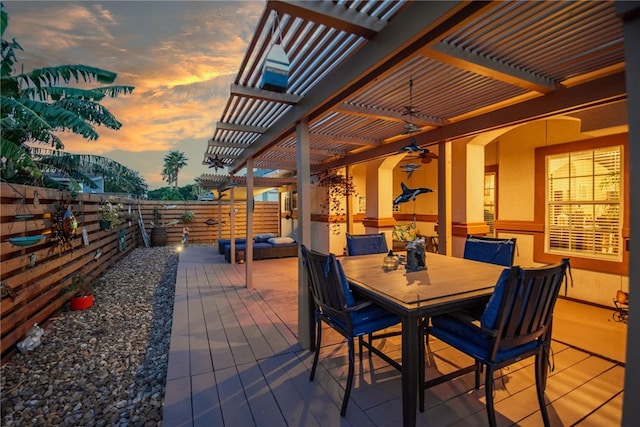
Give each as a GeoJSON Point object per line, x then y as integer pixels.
{"type": "Point", "coordinates": [473, 66]}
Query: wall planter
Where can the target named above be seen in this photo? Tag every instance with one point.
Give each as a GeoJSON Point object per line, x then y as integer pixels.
{"type": "Point", "coordinates": [104, 224]}
{"type": "Point", "coordinates": [81, 303]}
{"type": "Point", "coordinates": [24, 241]}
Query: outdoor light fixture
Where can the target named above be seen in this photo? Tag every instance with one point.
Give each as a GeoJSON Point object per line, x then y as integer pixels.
{"type": "Point", "coordinates": [275, 69]}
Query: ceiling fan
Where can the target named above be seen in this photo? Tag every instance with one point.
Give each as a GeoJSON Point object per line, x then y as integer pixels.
{"type": "Point", "coordinates": [215, 162]}
{"type": "Point", "coordinates": [423, 154]}
{"type": "Point", "coordinates": [427, 156]}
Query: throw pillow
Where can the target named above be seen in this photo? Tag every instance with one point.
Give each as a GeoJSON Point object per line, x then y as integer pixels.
{"type": "Point", "coordinates": [404, 233]}
{"type": "Point", "coordinates": [280, 240]}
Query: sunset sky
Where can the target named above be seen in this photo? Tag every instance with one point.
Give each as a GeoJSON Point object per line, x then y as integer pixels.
{"type": "Point", "coordinates": [181, 56]}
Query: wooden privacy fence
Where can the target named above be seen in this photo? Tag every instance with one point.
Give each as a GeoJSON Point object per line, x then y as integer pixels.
{"type": "Point", "coordinates": [35, 265]}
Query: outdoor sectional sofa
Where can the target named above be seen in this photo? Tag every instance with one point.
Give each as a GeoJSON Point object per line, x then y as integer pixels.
{"type": "Point", "coordinates": [264, 247]}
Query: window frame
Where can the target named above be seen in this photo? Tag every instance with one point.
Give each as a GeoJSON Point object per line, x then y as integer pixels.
{"type": "Point", "coordinates": [540, 205]}
{"type": "Point", "coordinates": [492, 170]}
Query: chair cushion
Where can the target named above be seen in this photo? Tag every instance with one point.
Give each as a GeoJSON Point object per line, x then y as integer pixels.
{"type": "Point", "coordinates": [369, 319]}
{"type": "Point", "coordinates": [404, 233]}
{"type": "Point", "coordinates": [475, 344]}
{"type": "Point", "coordinates": [494, 252]}
{"type": "Point", "coordinates": [490, 314]}
{"type": "Point", "coordinates": [348, 295]}
{"type": "Point", "coordinates": [363, 244]}
{"type": "Point", "coordinates": [454, 325]}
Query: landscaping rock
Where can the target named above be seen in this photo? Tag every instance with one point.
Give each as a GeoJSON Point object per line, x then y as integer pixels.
{"type": "Point", "coordinates": [95, 367]}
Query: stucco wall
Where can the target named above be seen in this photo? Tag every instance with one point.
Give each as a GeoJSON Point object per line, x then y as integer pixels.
{"type": "Point", "coordinates": [515, 152]}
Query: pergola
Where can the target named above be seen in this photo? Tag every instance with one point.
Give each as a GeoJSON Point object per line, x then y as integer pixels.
{"type": "Point", "coordinates": [362, 71]}
{"type": "Point", "coordinates": [474, 66]}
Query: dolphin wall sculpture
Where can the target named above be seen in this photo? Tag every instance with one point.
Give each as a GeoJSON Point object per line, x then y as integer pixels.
{"type": "Point", "coordinates": [409, 193]}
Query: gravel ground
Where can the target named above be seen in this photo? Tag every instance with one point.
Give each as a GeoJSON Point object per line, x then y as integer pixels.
{"type": "Point", "coordinates": [105, 366]}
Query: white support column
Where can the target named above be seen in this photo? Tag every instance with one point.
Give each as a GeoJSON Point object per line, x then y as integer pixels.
{"type": "Point", "coordinates": [219, 220]}
{"type": "Point", "coordinates": [467, 180]}
{"type": "Point", "coordinates": [305, 311]}
{"type": "Point", "coordinates": [232, 223]}
{"type": "Point", "coordinates": [248, 258]}
{"type": "Point", "coordinates": [379, 200]}
{"type": "Point", "coordinates": [444, 198]}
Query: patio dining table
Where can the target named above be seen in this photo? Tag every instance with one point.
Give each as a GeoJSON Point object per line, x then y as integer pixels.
{"type": "Point", "coordinates": [448, 284]}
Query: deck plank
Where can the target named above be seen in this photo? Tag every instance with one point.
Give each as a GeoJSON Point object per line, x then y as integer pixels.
{"type": "Point", "coordinates": [262, 402]}
{"type": "Point", "coordinates": [233, 401]}
{"type": "Point", "coordinates": [177, 409]}
{"type": "Point", "coordinates": [206, 404]}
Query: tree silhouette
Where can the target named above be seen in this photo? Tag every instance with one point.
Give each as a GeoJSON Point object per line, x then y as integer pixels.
{"type": "Point", "coordinates": [173, 162]}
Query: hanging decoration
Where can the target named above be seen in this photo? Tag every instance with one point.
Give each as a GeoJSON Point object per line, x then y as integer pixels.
{"type": "Point", "coordinates": [211, 222]}
{"type": "Point", "coordinates": [85, 236]}
{"type": "Point", "coordinates": [122, 240]}
{"type": "Point", "coordinates": [412, 148]}
{"type": "Point", "coordinates": [275, 69]}
{"type": "Point", "coordinates": [409, 193]}
{"type": "Point", "coordinates": [409, 168]}
{"type": "Point", "coordinates": [339, 187]}
{"type": "Point", "coordinates": [24, 241]}
{"type": "Point", "coordinates": [65, 226]}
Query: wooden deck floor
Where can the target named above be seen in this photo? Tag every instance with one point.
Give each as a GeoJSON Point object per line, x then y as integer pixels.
{"type": "Point", "coordinates": [235, 361]}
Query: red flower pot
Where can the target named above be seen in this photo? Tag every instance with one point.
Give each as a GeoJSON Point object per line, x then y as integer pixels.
{"type": "Point", "coordinates": [81, 303]}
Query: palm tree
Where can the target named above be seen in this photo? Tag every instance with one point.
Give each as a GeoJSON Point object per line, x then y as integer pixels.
{"type": "Point", "coordinates": [173, 162]}
{"type": "Point", "coordinates": [35, 105]}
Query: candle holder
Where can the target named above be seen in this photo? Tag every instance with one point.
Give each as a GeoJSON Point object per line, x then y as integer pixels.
{"type": "Point", "coordinates": [390, 262]}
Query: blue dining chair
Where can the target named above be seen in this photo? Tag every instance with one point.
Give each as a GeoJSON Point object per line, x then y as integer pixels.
{"type": "Point", "coordinates": [490, 249]}
{"type": "Point", "coordinates": [338, 307]}
{"type": "Point", "coordinates": [363, 244]}
{"type": "Point", "coordinates": [515, 324]}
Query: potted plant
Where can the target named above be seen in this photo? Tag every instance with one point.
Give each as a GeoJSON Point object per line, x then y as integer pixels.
{"type": "Point", "coordinates": [109, 216]}
{"type": "Point", "coordinates": [187, 217]}
{"type": "Point", "coordinates": [82, 289]}
{"type": "Point", "coordinates": [158, 230]}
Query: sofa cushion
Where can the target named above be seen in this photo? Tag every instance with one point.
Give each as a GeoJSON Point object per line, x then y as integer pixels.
{"type": "Point", "coordinates": [280, 240]}
{"type": "Point", "coordinates": [265, 235]}
{"type": "Point", "coordinates": [224, 242]}
{"type": "Point", "coordinates": [259, 245]}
